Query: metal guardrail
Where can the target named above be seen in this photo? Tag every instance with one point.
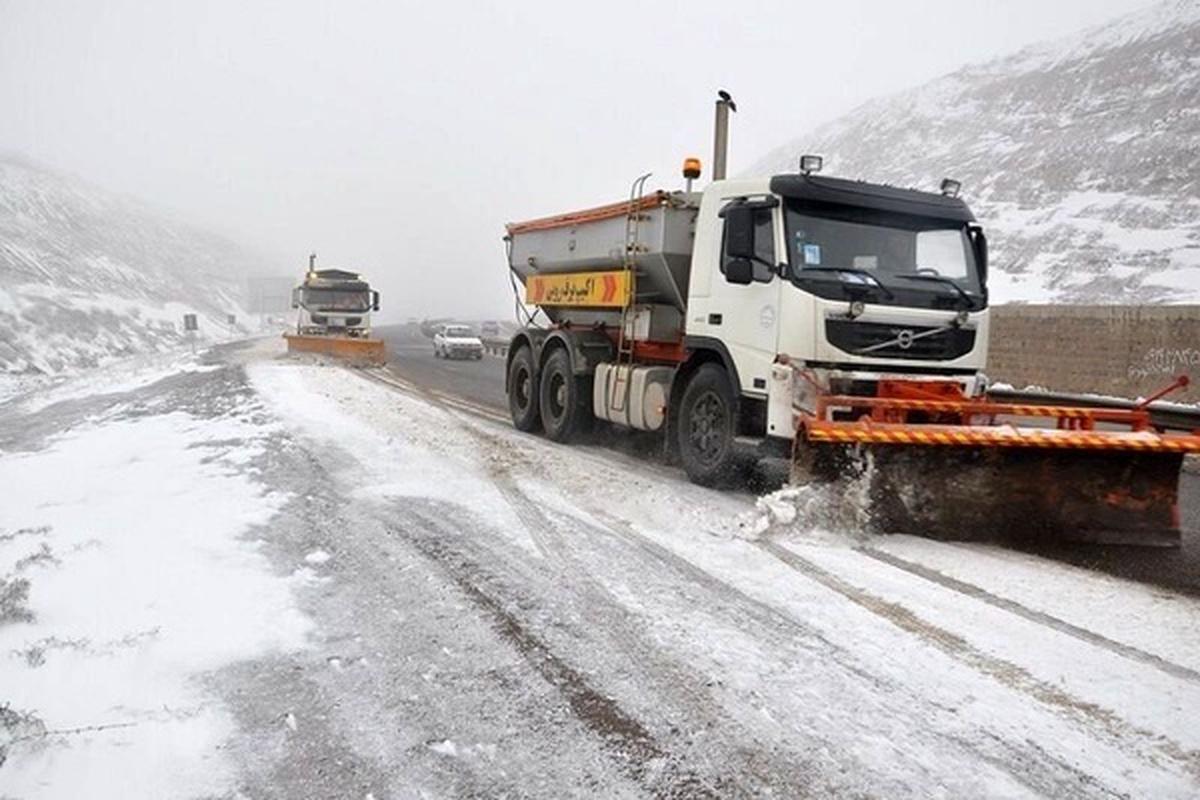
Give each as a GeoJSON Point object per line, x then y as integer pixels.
{"type": "Point", "coordinates": [1162, 415]}
{"type": "Point", "coordinates": [495, 345]}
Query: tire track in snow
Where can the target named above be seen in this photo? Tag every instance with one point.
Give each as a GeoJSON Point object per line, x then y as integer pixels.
{"type": "Point", "coordinates": [1029, 764]}
{"type": "Point", "coordinates": [1024, 760]}
{"type": "Point", "coordinates": [556, 535]}
{"type": "Point", "coordinates": [639, 752]}
{"type": "Point", "coordinates": [636, 745]}
{"type": "Point", "coordinates": [1038, 770]}
{"type": "Point", "coordinates": [1032, 615]}
{"type": "Point", "coordinates": [1006, 672]}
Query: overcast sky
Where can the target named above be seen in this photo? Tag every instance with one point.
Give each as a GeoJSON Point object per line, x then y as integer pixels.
{"type": "Point", "coordinates": [397, 138]}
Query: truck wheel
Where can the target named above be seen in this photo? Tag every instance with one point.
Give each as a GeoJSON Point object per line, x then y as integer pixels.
{"type": "Point", "coordinates": [706, 427]}
{"type": "Point", "coordinates": [565, 404]}
{"type": "Point", "coordinates": [522, 392]}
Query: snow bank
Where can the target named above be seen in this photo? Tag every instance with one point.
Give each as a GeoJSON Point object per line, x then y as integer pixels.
{"type": "Point", "coordinates": [56, 331]}
{"type": "Point", "coordinates": [128, 540]}
{"type": "Point", "coordinates": [124, 375]}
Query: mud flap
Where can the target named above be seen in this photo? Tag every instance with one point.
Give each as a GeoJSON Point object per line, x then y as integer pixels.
{"type": "Point", "coordinates": [1010, 494]}
{"type": "Point", "coordinates": [360, 352]}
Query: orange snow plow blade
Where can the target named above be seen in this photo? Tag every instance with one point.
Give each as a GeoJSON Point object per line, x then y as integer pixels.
{"type": "Point", "coordinates": [360, 352]}
{"type": "Point", "coordinates": [945, 466]}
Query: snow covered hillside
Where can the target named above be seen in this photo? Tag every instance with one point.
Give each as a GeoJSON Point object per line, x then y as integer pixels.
{"type": "Point", "coordinates": [86, 275]}
{"type": "Point", "coordinates": [1082, 156]}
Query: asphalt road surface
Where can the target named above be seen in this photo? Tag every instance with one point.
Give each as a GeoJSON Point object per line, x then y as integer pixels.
{"type": "Point", "coordinates": [481, 383]}
{"type": "Point", "coordinates": [411, 355]}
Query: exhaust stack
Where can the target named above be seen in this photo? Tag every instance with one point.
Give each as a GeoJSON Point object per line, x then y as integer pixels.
{"type": "Point", "coordinates": [725, 104]}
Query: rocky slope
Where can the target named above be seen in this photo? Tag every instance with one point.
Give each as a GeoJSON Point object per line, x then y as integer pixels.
{"type": "Point", "coordinates": [1082, 157]}
{"type": "Point", "coordinates": [87, 275]}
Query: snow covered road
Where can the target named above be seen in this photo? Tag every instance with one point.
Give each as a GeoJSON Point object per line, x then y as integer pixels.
{"type": "Point", "coordinates": [346, 587]}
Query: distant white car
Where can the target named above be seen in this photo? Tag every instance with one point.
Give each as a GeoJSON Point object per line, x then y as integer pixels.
{"type": "Point", "coordinates": [457, 341]}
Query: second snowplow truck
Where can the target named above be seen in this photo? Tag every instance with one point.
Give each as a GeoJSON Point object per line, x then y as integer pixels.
{"type": "Point", "coordinates": [843, 321]}
{"type": "Point", "coordinates": [333, 316]}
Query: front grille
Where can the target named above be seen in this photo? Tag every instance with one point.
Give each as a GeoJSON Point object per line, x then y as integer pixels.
{"type": "Point", "coordinates": [853, 337]}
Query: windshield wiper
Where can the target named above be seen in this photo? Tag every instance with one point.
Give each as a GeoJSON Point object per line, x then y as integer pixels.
{"type": "Point", "coordinates": [942, 279]}
{"type": "Point", "coordinates": [862, 273]}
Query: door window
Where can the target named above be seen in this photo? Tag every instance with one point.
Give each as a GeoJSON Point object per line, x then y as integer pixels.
{"type": "Point", "coordinates": [764, 246]}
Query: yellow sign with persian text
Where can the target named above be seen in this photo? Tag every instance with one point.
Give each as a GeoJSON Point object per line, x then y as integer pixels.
{"type": "Point", "coordinates": [595, 289]}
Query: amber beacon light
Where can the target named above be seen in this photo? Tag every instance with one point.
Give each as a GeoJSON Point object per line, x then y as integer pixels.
{"type": "Point", "coordinates": [691, 170]}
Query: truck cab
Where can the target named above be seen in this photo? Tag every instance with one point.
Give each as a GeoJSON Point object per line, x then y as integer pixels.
{"type": "Point", "coordinates": [334, 302]}
{"type": "Point", "coordinates": [719, 317]}
{"type": "Point", "coordinates": [853, 280]}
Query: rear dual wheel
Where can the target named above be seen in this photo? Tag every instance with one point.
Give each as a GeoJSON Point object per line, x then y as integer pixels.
{"type": "Point", "coordinates": [555, 400]}
{"type": "Point", "coordinates": [565, 399]}
{"type": "Point", "coordinates": [522, 392]}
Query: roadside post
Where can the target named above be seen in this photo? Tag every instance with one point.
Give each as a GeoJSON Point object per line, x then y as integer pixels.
{"type": "Point", "coordinates": [190, 326]}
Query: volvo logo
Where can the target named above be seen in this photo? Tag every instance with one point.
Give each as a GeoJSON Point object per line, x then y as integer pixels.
{"type": "Point", "coordinates": [904, 339]}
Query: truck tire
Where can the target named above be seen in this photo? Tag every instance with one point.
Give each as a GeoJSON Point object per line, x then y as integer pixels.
{"type": "Point", "coordinates": [522, 392]}
{"type": "Point", "coordinates": [566, 405]}
{"type": "Point", "coordinates": [706, 427]}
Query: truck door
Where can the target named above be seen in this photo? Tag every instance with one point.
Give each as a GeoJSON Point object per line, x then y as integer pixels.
{"type": "Point", "coordinates": [749, 313]}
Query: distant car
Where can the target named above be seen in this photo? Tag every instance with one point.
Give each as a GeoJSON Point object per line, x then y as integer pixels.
{"type": "Point", "coordinates": [457, 341]}
{"type": "Point", "coordinates": [489, 329]}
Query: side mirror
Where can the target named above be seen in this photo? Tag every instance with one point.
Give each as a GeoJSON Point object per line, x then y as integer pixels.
{"type": "Point", "coordinates": [739, 231]}
{"type": "Point", "coordinates": [296, 298]}
{"type": "Point", "coordinates": [374, 301]}
{"type": "Point", "coordinates": [740, 271]}
{"type": "Point", "coordinates": [979, 240]}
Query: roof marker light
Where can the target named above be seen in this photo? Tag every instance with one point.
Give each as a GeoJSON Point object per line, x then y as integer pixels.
{"type": "Point", "coordinates": [951, 187]}
{"type": "Point", "coordinates": [811, 164]}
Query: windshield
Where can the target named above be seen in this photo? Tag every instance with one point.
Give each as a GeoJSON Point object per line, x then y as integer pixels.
{"type": "Point", "coordinates": [337, 300]}
{"type": "Point", "coordinates": [457, 331]}
{"type": "Point", "coordinates": [919, 260]}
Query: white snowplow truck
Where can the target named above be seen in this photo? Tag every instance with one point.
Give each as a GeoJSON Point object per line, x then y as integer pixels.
{"type": "Point", "coordinates": [841, 321]}
{"type": "Point", "coordinates": [333, 316]}
{"type": "Point", "coordinates": [334, 301]}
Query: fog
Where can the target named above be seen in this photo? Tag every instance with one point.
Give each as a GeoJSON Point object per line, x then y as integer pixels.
{"type": "Point", "coordinates": [398, 138]}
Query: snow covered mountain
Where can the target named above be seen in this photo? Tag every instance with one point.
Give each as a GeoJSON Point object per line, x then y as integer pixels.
{"type": "Point", "coordinates": [87, 275]}
{"type": "Point", "coordinates": [1081, 157]}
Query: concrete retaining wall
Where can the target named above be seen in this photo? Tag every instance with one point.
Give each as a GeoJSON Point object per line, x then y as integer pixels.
{"type": "Point", "coordinates": [1128, 351]}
